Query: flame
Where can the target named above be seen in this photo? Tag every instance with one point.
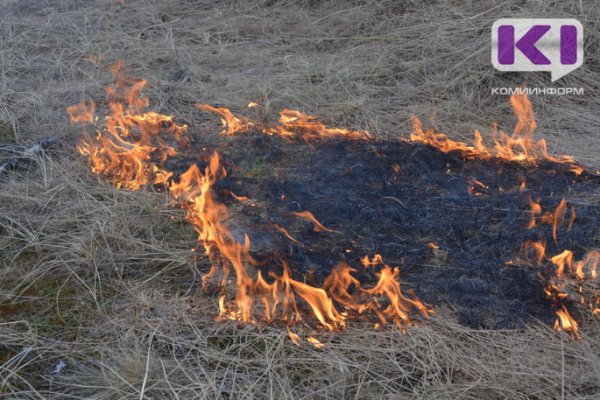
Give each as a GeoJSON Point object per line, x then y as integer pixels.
{"type": "Point", "coordinates": [131, 144]}
{"type": "Point", "coordinates": [376, 260]}
{"type": "Point", "coordinates": [567, 284]}
{"type": "Point", "coordinates": [292, 124]}
{"type": "Point", "coordinates": [587, 268]}
{"type": "Point", "coordinates": [566, 322]}
{"type": "Point", "coordinates": [555, 218]}
{"type": "Point", "coordinates": [533, 251]}
{"type": "Point", "coordinates": [536, 210]}
{"type": "Point", "coordinates": [572, 218]}
{"type": "Point", "coordinates": [82, 112]}
{"type": "Point", "coordinates": [307, 215]}
{"type": "Point", "coordinates": [518, 147]}
{"type": "Point", "coordinates": [476, 188]}
{"type": "Point", "coordinates": [284, 232]}
{"type": "Point", "coordinates": [523, 185]}
{"type": "Point", "coordinates": [239, 198]}
{"type": "Point", "coordinates": [232, 125]}
{"type": "Point", "coordinates": [315, 342]}
{"type": "Point", "coordinates": [558, 216]}
{"type": "Point", "coordinates": [388, 285]}
{"type": "Point", "coordinates": [294, 337]}
{"type": "Point", "coordinates": [562, 259]}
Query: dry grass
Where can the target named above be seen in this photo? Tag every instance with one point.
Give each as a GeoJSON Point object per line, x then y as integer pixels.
{"type": "Point", "coordinates": [102, 281]}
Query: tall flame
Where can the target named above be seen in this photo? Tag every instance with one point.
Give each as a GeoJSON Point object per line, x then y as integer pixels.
{"type": "Point", "coordinates": [131, 144]}
{"type": "Point", "coordinates": [519, 147]}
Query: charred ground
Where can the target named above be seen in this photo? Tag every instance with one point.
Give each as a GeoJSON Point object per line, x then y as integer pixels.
{"type": "Point", "coordinates": [451, 224]}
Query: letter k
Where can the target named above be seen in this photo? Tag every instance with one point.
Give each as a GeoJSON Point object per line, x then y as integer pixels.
{"type": "Point", "coordinates": [527, 44]}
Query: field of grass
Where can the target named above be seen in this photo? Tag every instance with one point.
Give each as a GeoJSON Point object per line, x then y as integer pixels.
{"type": "Point", "coordinates": [98, 287]}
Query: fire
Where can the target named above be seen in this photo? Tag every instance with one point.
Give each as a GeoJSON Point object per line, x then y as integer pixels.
{"type": "Point", "coordinates": [518, 147]}
{"type": "Point", "coordinates": [399, 305]}
{"type": "Point", "coordinates": [477, 188]}
{"type": "Point", "coordinates": [294, 337]}
{"type": "Point", "coordinates": [533, 252]}
{"type": "Point", "coordinates": [315, 342]}
{"type": "Point", "coordinates": [307, 215]}
{"type": "Point", "coordinates": [567, 284]}
{"type": "Point", "coordinates": [555, 218]}
{"type": "Point", "coordinates": [284, 232]}
{"type": "Point", "coordinates": [377, 260]}
{"type": "Point", "coordinates": [566, 322]}
{"type": "Point", "coordinates": [562, 259]}
{"type": "Point", "coordinates": [232, 125]}
{"type": "Point", "coordinates": [83, 112]}
{"type": "Point", "coordinates": [564, 283]}
{"type": "Point", "coordinates": [130, 147]}
{"type": "Point", "coordinates": [584, 269]}
{"type": "Point", "coordinates": [279, 299]}
{"type": "Point", "coordinates": [292, 124]}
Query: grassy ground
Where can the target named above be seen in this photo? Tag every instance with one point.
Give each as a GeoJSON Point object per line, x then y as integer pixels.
{"type": "Point", "coordinates": [97, 286]}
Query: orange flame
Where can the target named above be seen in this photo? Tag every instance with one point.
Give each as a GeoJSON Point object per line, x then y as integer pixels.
{"type": "Point", "coordinates": [564, 286]}
{"type": "Point", "coordinates": [294, 337]}
{"type": "Point", "coordinates": [82, 112]}
{"type": "Point", "coordinates": [476, 188]}
{"type": "Point", "coordinates": [292, 124]}
{"type": "Point", "coordinates": [588, 266]}
{"type": "Point", "coordinates": [562, 259]}
{"type": "Point", "coordinates": [307, 215]}
{"type": "Point", "coordinates": [315, 342]}
{"type": "Point", "coordinates": [533, 251]}
{"type": "Point", "coordinates": [376, 260]}
{"type": "Point", "coordinates": [566, 322]}
{"type": "Point", "coordinates": [518, 147]}
{"type": "Point", "coordinates": [130, 148]}
{"type": "Point", "coordinates": [232, 125]}
{"type": "Point", "coordinates": [131, 144]}
{"type": "Point", "coordinates": [278, 299]}
{"type": "Point", "coordinates": [555, 218]}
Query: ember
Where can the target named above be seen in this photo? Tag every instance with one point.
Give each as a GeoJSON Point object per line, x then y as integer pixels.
{"type": "Point", "coordinates": [458, 213]}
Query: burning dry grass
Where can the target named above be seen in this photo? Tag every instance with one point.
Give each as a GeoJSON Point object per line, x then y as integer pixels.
{"type": "Point", "coordinates": [98, 290]}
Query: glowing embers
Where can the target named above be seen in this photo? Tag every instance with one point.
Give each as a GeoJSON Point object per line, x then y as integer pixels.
{"type": "Point", "coordinates": [518, 147]}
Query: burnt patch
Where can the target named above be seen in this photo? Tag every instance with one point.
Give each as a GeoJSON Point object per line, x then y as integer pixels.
{"type": "Point", "coordinates": [450, 224]}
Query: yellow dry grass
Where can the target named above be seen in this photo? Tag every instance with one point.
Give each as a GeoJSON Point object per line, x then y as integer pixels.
{"type": "Point", "coordinates": [98, 287]}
